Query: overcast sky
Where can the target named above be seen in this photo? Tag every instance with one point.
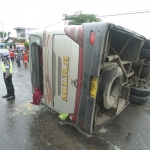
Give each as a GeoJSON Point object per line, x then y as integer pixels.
{"type": "Point", "coordinates": [42, 13]}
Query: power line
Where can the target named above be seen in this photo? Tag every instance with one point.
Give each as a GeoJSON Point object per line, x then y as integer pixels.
{"type": "Point", "coordinates": [117, 14]}
{"type": "Point", "coordinates": [54, 24]}
{"type": "Point", "coordinates": [125, 13]}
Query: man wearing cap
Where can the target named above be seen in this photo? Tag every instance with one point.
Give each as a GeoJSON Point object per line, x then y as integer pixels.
{"type": "Point", "coordinates": [7, 74]}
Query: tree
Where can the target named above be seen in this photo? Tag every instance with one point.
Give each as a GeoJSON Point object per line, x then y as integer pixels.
{"type": "Point", "coordinates": [79, 18]}
{"type": "Point", "coordinates": [26, 44]}
{"type": "Point", "coordinates": [5, 34]}
{"type": "Point", "coordinates": [1, 34]}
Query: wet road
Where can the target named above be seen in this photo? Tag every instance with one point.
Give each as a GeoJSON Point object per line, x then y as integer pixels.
{"type": "Point", "coordinates": [24, 126]}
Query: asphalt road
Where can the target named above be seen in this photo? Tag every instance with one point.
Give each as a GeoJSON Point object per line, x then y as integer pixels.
{"type": "Point", "coordinates": [24, 126]}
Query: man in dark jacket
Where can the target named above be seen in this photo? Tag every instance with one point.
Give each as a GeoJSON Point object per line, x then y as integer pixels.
{"type": "Point", "coordinates": [18, 58]}
{"type": "Point", "coordinates": [7, 74]}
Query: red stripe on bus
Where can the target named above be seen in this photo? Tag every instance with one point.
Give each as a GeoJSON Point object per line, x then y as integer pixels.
{"type": "Point", "coordinates": [79, 84]}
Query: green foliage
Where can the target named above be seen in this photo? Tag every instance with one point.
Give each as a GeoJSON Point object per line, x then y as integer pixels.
{"type": "Point", "coordinates": [79, 18]}
{"type": "Point", "coordinates": [1, 34]}
{"type": "Point", "coordinates": [5, 34]}
{"type": "Point", "coordinates": [26, 44]}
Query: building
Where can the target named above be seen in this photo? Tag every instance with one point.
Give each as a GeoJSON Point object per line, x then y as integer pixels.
{"type": "Point", "coordinates": [20, 33]}
{"type": "Point", "coordinates": [23, 33]}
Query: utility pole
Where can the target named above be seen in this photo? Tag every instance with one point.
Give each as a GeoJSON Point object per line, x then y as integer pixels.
{"type": "Point", "coordinates": [2, 29]}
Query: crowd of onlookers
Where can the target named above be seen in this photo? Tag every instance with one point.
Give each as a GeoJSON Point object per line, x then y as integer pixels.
{"type": "Point", "coordinates": [18, 55]}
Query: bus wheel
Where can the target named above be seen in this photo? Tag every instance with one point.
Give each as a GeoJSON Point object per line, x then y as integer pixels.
{"type": "Point", "coordinates": [139, 99]}
{"type": "Point", "coordinates": [137, 91]}
{"type": "Point", "coordinates": [110, 86]}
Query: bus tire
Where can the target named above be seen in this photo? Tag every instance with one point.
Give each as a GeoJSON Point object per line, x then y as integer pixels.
{"type": "Point", "coordinates": [138, 99]}
{"type": "Point", "coordinates": [140, 92]}
{"type": "Point", "coordinates": [146, 45]}
{"type": "Point", "coordinates": [110, 86]}
{"type": "Point", "coordinates": [145, 53]}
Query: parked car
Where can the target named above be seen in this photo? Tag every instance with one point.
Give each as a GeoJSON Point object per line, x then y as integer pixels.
{"type": "Point", "coordinates": [4, 51]}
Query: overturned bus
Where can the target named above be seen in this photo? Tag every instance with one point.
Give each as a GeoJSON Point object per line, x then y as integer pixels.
{"type": "Point", "coordinates": [86, 71]}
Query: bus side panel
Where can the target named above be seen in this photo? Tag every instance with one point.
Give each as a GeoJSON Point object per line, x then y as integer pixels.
{"type": "Point", "coordinates": [65, 71]}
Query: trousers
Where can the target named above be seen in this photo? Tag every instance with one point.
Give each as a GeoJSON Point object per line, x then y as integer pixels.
{"type": "Point", "coordinates": [9, 84]}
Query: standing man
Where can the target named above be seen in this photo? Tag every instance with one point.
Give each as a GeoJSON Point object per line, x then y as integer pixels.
{"type": "Point", "coordinates": [7, 74]}
{"type": "Point", "coordinates": [18, 58]}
